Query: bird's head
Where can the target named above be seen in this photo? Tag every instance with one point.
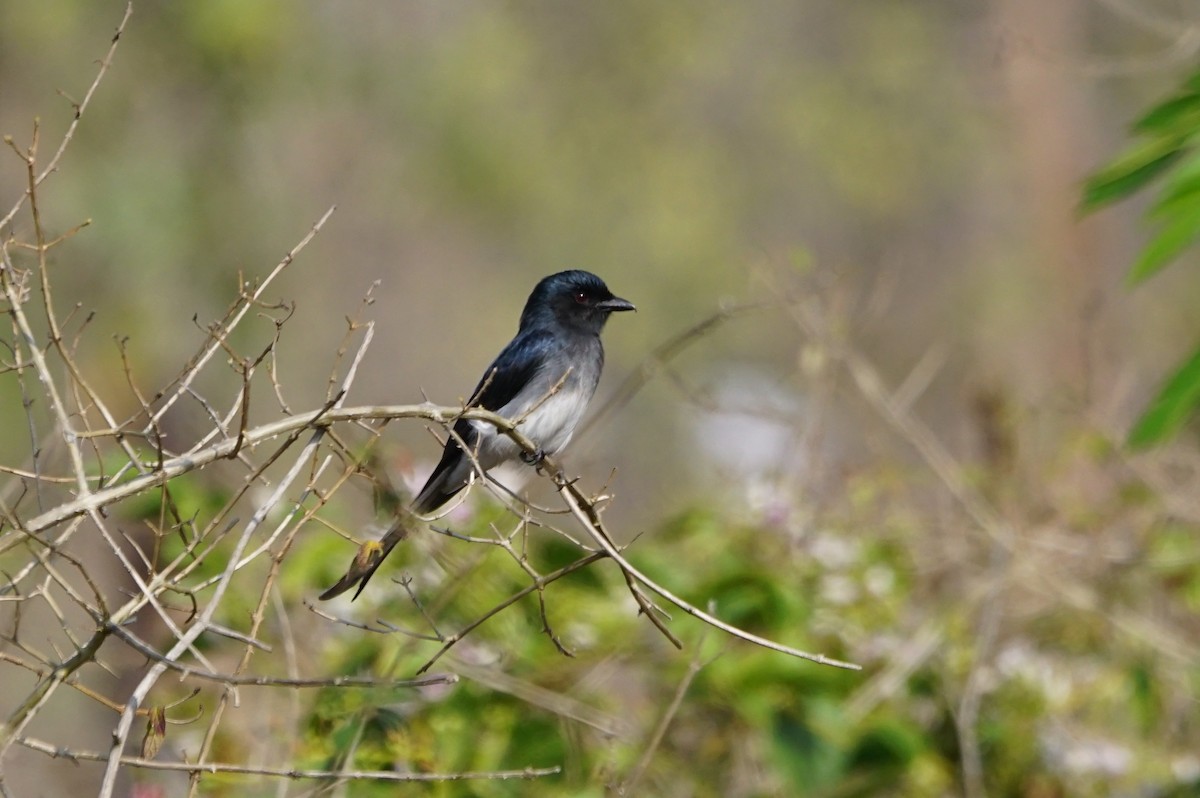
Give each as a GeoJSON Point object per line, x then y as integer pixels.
{"type": "Point", "coordinates": [576, 299]}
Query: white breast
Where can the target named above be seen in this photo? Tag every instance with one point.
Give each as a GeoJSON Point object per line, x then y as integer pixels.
{"type": "Point", "coordinates": [547, 419]}
{"type": "Point", "coordinates": [552, 423]}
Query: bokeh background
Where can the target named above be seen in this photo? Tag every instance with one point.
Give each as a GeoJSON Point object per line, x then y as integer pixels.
{"type": "Point", "coordinates": [909, 172]}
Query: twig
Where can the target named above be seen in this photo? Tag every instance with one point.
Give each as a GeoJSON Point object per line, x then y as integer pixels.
{"type": "Point", "coordinates": [660, 730]}
{"type": "Point", "coordinates": [664, 353]}
{"type": "Point", "coordinates": [575, 501]}
{"type": "Point", "coordinates": [451, 640]}
{"type": "Point", "coordinates": [79, 109]}
{"type": "Point", "coordinates": [335, 399]}
{"type": "Point", "coordinates": [285, 773]}
{"type": "Point", "coordinates": [138, 695]}
{"type": "Point", "coordinates": [217, 339]}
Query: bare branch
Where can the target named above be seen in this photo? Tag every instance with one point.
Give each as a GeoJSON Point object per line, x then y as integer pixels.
{"type": "Point", "coordinates": [286, 773]}
{"type": "Point", "coordinates": [80, 107]}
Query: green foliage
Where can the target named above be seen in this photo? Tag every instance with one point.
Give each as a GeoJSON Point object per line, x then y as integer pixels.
{"type": "Point", "coordinates": [793, 724]}
{"type": "Point", "coordinates": [1131, 171]}
{"type": "Point", "coordinates": [1172, 407]}
{"type": "Point", "coordinates": [1166, 152]}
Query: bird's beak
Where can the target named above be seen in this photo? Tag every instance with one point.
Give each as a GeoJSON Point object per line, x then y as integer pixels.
{"type": "Point", "coordinates": [616, 303]}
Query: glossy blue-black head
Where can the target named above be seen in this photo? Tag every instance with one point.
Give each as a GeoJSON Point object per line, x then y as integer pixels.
{"type": "Point", "coordinates": [576, 299]}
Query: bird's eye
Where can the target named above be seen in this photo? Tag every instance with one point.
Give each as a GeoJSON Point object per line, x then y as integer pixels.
{"type": "Point", "coordinates": [581, 298]}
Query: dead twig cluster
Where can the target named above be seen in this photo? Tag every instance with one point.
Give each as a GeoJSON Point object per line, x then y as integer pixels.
{"type": "Point", "coordinates": [120, 590]}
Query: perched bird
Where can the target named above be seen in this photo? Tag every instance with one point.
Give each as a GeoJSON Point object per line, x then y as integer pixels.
{"type": "Point", "coordinates": [543, 380]}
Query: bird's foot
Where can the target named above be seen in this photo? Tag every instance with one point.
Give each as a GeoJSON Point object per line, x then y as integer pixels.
{"type": "Point", "coordinates": [534, 459]}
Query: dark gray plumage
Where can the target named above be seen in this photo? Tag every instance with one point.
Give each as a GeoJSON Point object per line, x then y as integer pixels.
{"type": "Point", "coordinates": [558, 342]}
{"type": "Point", "coordinates": [543, 379]}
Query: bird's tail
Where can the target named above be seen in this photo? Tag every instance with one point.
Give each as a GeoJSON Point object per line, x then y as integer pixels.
{"type": "Point", "coordinates": [448, 478]}
{"type": "Point", "coordinates": [440, 489]}
{"type": "Point", "coordinates": [369, 557]}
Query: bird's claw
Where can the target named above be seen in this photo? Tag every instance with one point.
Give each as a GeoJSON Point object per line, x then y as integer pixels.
{"type": "Point", "coordinates": [533, 458]}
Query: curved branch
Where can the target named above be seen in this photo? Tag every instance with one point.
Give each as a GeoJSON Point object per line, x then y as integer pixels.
{"type": "Point", "coordinates": [576, 501]}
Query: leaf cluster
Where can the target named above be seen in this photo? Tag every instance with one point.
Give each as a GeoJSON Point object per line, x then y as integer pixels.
{"type": "Point", "coordinates": [1165, 155]}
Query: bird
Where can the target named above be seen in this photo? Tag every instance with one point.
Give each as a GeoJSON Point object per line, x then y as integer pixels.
{"type": "Point", "coordinates": [542, 381]}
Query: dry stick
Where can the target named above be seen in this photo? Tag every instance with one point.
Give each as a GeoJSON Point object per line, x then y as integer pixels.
{"type": "Point", "coordinates": [200, 625]}
{"type": "Point", "coordinates": [100, 609]}
{"type": "Point", "coordinates": [151, 653]}
{"type": "Point", "coordinates": [71, 438]}
{"type": "Point", "coordinates": [40, 559]}
{"type": "Point", "coordinates": [186, 463]}
{"type": "Point", "coordinates": [285, 773]}
{"type": "Point", "coordinates": [146, 595]}
{"type": "Point", "coordinates": [241, 406]}
{"type": "Point", "coordinates": [564, 706]}
{"type": "Point", "coordinates": [35, 448]}
{"type": "Point", "coordinates": [521, 559]}
{"type": "Point", "coordinates": [160, 476]}
{"type": "Point", "coordinates": [443, 415]}
{"type": "Point", "coordinates": [504, 542]}
{"type": "Point", "coordinates": [78, 381]}
{"type": "Point", "coordinates": [52, 166]}
{"type": "Point", "coordinates": [576, 501]}
{"type": "Point", "coordinates": [541, 594]}
{"type": "Point", "coordinates": [80, 472]}
{"type": "Point", "coordinates": [219, 338]}
{"type": "Point", "coordinates": [220, 426]}
{"type": "Point", "coordinates": [198, 556]}
{"type": "Point", "coordinates": [645, 605]}
{"type": "Point", "coordinates": [155, 477]}
{"type": "Point", "coordinates": [336, 399]}
{"type": "Point", "coordinates": [256, 623]}
{"type": "Point", "coordinates": [871, 385]}
{"type": "Point", "coordinates": [290, 658]}
{"type": "Point", "coordinates": [72, 682]}
{"type": "Point", "coordinates": [45, 688]}
{"type": "Point", "coordinates": [967, 719]}
{"type": "Point", "coordinates": [660, 731]}
{"type": "Point", "coordinates": [660, 356]}
{"type": "Point", "coordinates": [21, 473]}
{"type": "Point", "coordinates": [266, 544]}
{"type": "Point", "coordinates": [449, 641]}
{"type": "Point", "coordinates": [37, 356]}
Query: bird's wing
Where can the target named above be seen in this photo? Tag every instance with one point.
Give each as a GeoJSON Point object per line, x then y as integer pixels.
{"type": "Point", "coordinates": [514, 368]}
{"type": "Point", "coordinates": [511, 371]}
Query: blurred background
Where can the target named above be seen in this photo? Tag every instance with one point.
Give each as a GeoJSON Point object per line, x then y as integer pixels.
{"type": "Point", "coordinates": [898, 181]}
{"type": "Point", "coordinates": [927, 155]}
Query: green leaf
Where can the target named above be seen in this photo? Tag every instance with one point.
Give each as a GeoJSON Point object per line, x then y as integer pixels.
{"type": "Point", "coordinates": [1176, 234]}
{"type": "Point", "coordinates": [1172, 407]}
{"type": "Point", "coordinates": [1181, 185]}
{"type": "Point", "coordinates": [1179, 116]}
{"type": "Point", "coordinates": [1131, 171]}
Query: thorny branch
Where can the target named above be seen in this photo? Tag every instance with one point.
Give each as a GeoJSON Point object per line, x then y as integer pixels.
{"type": "Point", "coordinates": [109, 461]}
{"type": "Point", "coordinates": [310, 441]}
{"type": "Point", "coordinates": [109, 556]}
